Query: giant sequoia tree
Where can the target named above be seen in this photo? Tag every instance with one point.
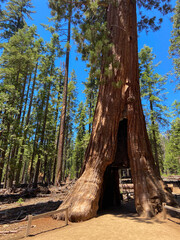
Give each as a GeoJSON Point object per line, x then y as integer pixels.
{"type": "Point", "coordinates": [119, 137]}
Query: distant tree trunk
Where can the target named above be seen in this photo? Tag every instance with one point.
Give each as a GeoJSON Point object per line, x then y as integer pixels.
{"type": "Point", "coordinates": [42, 138]}
{"type": "Point", "coordinates": [3, 153]}
{"type": "Point", "coordinates": [59, 162]}
{"type": "Point", "coordinates": [11, 165]}
{"type": "Point", "coordinates": [23, 173]}
{"type": "Point", "coordinates": [45, 161]}
{"type": "Point", "coordinates": [6, 171]}
{"type": "Point", "coordinates": [119, 112]}
{"type": "Point", "coordinates": [56, 138]}
{"type": "Point", "coordinates": [26, 100]}
{"type": "Point", "coordinates": [26, 124]}
{"type": "Point", "coordinates": [154, 139]}
{"type": "Point", "coordinates": [17, 130]}
{"type": "Point", "coordinates": [33, 154]}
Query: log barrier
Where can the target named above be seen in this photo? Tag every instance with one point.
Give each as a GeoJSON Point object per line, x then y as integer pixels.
{"type": "Point", "coordinates": [164, 206]}
{"type": "Point", "coordinates": [31, 217]}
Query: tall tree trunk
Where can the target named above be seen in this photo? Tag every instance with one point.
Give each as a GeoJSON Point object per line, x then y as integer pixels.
{"type": "Point", "coordinates": [7, 167]}
{"type": "Point", "coordinates": [33, 154]}
{"type": "Point", "coordinates": [42, 138]}
{"type": "Point", "coordinates": [11, 168]}
{"type": "Point", "coordinates": [154, 137]}
{"type": "Point", "coordinates": [45, 161]}
{"type": "Point", "coordinates": [18, 130]}
{"type": "Point", "coordinates": [10, 163]}
{"type": "Point", "coordinates": [26, 100]}
{"type": "Point", "coordinates": [56, 143]}
{"type": "Point", "coordinates": [3, 153]}
{"type": "Point", "coordinates": [26, 124]}
{"type": "Point", "coordinates": [113, 105]}
{"type": "Point", "coordinates": [59, 162]}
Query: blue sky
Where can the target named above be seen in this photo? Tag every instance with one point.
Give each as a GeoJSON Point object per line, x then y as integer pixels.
{"type": "Point", "coordinates": [159, 41]}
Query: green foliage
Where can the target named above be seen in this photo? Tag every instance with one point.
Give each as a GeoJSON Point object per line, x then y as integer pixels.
{"type": "Point", "coordinates": [16, 63]}
{"type": "Point", "coordinates": [172, 152]}
{"type": "Point", "coordinates": [31, 85]}
{"type": "Point", "coordinates": [80, 142]}
{"type": "Point", "coordinates": [152, 88]}
{"type": "Point", "coordinates": [94, 41]}
{"type": "Point", "coordinates": [91, 92]}
{"type": "Point", "coordinates": [69, 126]}
{"type": "Point", "coordinates": [13, 17]}
{"type": "Point", "coordinates": [151, 22]}
{"type": "Point", "coordinates": [153, 93]}
{"type": "Point", "coordinates": [20, 200]}
{"type": "Point", "coordinates": [174, 49]}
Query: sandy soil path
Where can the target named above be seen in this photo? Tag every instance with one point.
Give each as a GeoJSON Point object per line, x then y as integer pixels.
{"type": "Point", "coordinates": [113, 225]}
{"type": "Point", "coordinates": [125, 225]}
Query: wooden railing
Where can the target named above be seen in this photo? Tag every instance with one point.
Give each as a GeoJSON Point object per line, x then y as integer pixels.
{"type": "Point", "coordinates": [31, 217]}
{"type": "Point", "coordinates": [169, 208]}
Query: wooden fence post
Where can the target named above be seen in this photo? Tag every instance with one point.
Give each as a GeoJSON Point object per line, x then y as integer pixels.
{"type": "Point", "coordinates": [164, 210]}
{"type": "Point", "coordinates": [28, 225]}
{"type": "Point", "coordinates": [66, 217]}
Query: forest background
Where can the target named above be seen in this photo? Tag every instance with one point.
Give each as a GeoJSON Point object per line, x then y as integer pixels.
{"type": "Point", "coordinates": [32, 73]}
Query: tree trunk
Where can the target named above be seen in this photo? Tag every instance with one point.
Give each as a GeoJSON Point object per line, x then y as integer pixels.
{"type": "Point", "coordinates": [59, 162]}
{"type": "Point", "coordinates": [42, 137]}
{"type": "Point", "coordinates": [56, 142]}
{"type": "Point", "coordinates": [154, 137]}
{"type": "Point", "coordinates": [26, 125]}
{"type": "Point", "coordinates": [33, 155]}
{"type": "Point", "coordinates": [115, 104]}
{"type": "Point", "coordinates": [3, 153]}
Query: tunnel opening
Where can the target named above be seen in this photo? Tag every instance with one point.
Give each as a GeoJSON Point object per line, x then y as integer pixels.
{"type": "Point", "coordinates": [110, 193]}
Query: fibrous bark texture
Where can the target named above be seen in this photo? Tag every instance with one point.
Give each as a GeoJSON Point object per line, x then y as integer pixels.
{"type": "Point", "coordinates": [118, 115]}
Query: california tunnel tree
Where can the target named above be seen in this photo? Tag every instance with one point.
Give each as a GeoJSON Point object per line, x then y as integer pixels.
{"type": "Point", "coordinates": [119, 135]}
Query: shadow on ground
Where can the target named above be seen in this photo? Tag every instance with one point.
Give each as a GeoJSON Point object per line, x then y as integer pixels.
{"type": "Point", "coordinates": [18, 213]}
{"type": "Point", "coordinates": [128, 210]}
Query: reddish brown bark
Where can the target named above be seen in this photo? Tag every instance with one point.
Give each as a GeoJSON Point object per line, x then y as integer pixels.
{"type": "Point", "coordinates": [105, 148]}
{"type": "Point", "coordinates": [59, 163]}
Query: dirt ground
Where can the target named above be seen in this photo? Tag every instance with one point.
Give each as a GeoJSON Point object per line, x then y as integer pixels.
{"type": "Point", "coordinates": [113, 224]}
{"type": "Point", "coordinates": [108, 226]}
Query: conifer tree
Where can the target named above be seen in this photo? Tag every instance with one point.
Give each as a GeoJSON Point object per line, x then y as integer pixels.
{"type": "Point", "coordinates": [152, 91]}
{"type": "Point", "coordinates": [69, 125]}
{"type": "Point", "coordinates": [174, 49]}
{"type": "Point", "coordinates": [91, 92]}
{"type": "Point", "coordinates": [37, 54]}
{"type": "Point", "coordinates": [64, 13]}
{"type": "Point", "coordinates": [80, 146]}
{"type": "Point", "coordinates": [16, 66]}
{"type": "Point", "coordinates": [47, 76]}
{"type": "Point", "coordinates": [13, 17]}
{"type": "Point", "coordinates": [119, 131]}
{"type": "Point", "coordinates": [172, 149]}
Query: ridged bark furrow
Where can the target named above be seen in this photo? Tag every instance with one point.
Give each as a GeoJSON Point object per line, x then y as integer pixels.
{"type": "Point", "coordinates": [113, 105]}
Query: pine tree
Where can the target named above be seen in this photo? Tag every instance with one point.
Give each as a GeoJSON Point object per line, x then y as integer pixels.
{"type": "Point", "coordinates": [172, 149]}
{"type": "Point", "coordinates": [47, 76]}
{"type": "Point", "coordinates": [174, 49]}
{"type": "Point", "coordinates": [152, 91]}
{"type": "Point", "coordinates": [80, 144]}
{"type": "Point", "coordinates": [64, 14]}
{"type": "Point", "coordinates": [69, 126]}
{"type": "Point", "coordinates": [172, 152]}
{"type": "Point", "coordinates": [91, 92]}
{"type": "Point", "coordinates": [26, 119]}
{"type": "Point", "coordinates": [13, 17]}
{"type": "Point", "coordinates": [16, 66]}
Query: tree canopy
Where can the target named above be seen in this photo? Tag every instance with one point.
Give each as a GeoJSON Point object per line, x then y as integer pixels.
{"type": "Point", "coordinates": [32, 76]}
